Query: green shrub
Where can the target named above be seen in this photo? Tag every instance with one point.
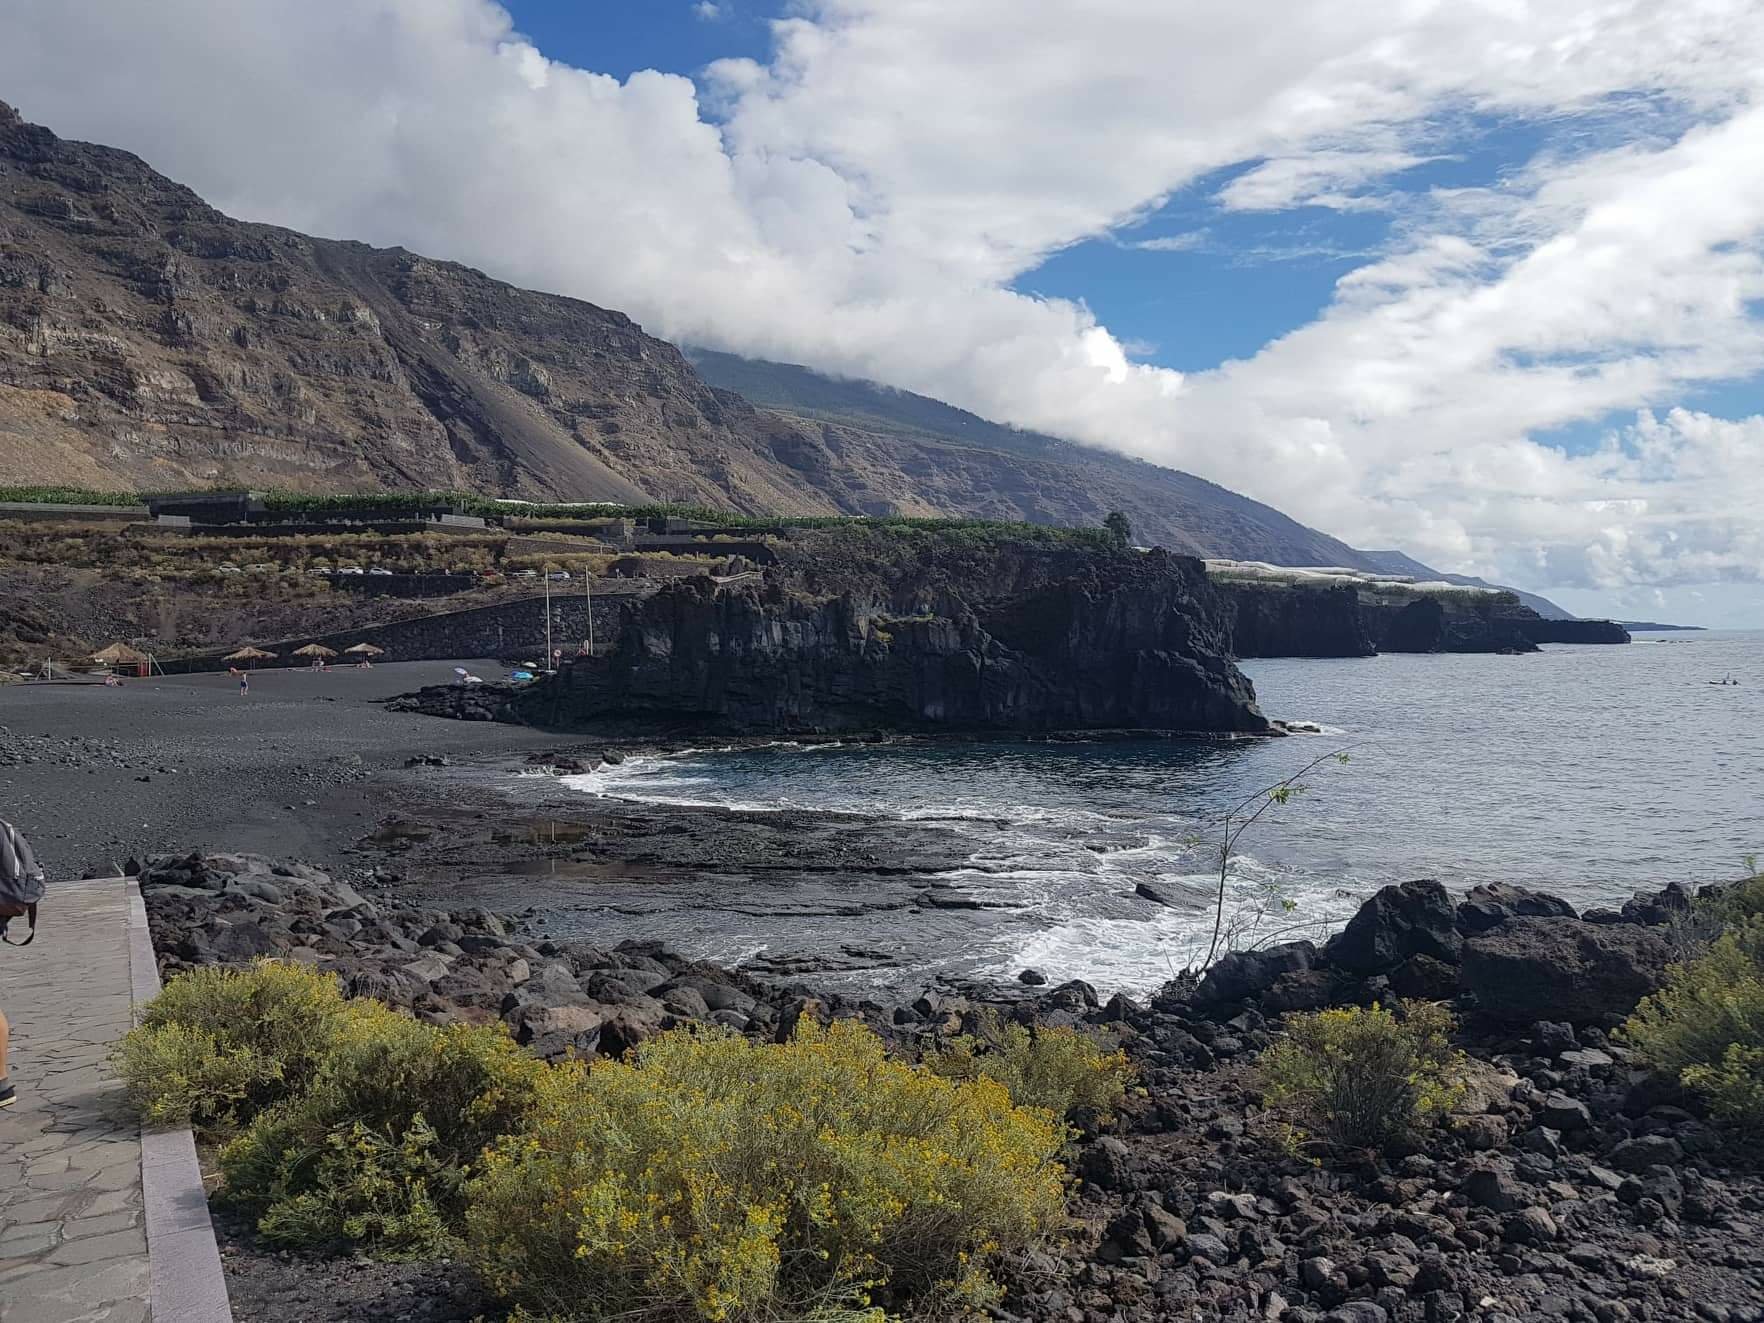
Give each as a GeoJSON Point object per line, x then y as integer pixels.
{"type": "Point", "coordinates": [218, 1045]}
{"type": "Point", "coordinates": [1360, 1077]}
{"type": "Point", "coordinates": [376, 1152]}
{"type": "Point", "coordinates": [1705, 1027]}
{"type": "Point", "coordinates": [1739, 902]}
{"type": "Point", "coordinates": [1058, 1070]}
{"type": "Point", "coordinates": [707, 1177]}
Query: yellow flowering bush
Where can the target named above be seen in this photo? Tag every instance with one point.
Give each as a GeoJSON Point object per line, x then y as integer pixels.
{"type": "Point", "coordinates": [709, 1178]}
{"type": "Point", "coordinates": [1056, 1069]}
{"type": "Point", "coordinates": [218, 1044]}
{"type": "Point", "coordinates": [377, 1150]}
{"type": "Point", "coordinates": [1363, 1077]}
{"type": "Point", "coordinates": [1706, 1025]}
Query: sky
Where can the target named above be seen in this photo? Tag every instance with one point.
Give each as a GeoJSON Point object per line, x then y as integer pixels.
{"type": "Point", "coordinates": [1482, 280]}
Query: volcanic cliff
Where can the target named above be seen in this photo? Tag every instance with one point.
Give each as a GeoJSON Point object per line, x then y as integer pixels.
{"type": "Point", "coordinates": [1033, 640]}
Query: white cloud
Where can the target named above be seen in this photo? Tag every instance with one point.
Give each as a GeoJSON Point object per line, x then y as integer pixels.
{"type": "Point", "coordinates": [1323, 178]}
{"type": "Point", "coordinates": [1171, 243]}
{"type": "Point", "coordinates": [862, 200]}
{"type": "Point", "coordinates": [708, 11]}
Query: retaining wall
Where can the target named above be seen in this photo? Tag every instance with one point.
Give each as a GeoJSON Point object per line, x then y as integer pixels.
{"type": "Point", "coordinates": [513, 630]}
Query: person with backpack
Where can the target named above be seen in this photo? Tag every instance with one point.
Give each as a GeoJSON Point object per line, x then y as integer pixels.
{"type": "Point", "coordinates": [21, 887]}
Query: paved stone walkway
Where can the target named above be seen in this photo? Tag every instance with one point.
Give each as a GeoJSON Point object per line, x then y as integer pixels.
{"type": "Point", "coordinates": [73, 1217]}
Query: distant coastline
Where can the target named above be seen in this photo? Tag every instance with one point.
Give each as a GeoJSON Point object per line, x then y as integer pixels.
{"type": "Point", "coordinates": [1654, 627]}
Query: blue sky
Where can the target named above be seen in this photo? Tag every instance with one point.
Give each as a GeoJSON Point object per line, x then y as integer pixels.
{"type": "Point", "coordinates": [1192, 283]}
{"type": "Point", "coordinates": [619, 37]}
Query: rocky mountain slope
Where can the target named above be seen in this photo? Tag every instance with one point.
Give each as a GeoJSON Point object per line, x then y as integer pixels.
{"type": "Point", "coordinates": [1167, 506]}
{"type": "Point", "coordinates": [1033, 476]}
{"type": "Point", "coordinates": [146, 339]}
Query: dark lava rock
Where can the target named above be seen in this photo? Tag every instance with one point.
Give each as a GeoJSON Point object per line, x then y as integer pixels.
{"type": "Point", "coordinates": [1238, 975]}
{"type": "Point", "coordinates": [1579, 971]}
{"type": "Point", "coordinates": [1493, 903]}
{"type": "Point", "coordinates": [1665, 906]}
{"type": "Point", "coordinates": [1492, 1188]}
{"type": "Point", "coordinates": [1403, 920]}
{"type": "Point", "coordinates": [1645, 1151]}
{"type": "Point", "coordinates": [1091, 642]}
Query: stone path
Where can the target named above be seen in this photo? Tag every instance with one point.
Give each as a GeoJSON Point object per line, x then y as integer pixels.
{"type": "Point", "coordinates": [75, 1219]}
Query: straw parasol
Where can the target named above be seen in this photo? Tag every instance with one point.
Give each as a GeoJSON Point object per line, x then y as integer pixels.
{"type": "Point", "coordinates": [250, 655]}
{"type": "Point", "coordinates": [120, 654]}
{"type": "Point", "coordinates": [315, 650]}
{"type": "Point", "coordinates": [365, 649]}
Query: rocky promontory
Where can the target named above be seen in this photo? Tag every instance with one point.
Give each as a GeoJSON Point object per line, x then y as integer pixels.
{"type": "Point", "coordinates": [1064, 641]}
{"type": "Point", "coordinates": [1328, 614]}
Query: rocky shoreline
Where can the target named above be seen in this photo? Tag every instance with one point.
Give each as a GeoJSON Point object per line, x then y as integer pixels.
{"type": "Point", "coordinates": [1569, 1184]}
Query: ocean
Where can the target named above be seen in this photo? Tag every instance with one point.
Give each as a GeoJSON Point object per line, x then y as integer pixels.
{"type": "Point", "coordinates": [1585, 771]}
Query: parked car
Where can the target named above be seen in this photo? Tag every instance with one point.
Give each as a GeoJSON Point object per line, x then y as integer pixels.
{"type": "Point", "coordinates": [380, 570]}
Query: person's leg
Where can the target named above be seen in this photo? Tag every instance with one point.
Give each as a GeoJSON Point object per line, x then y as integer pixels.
{"type": "Point", "coordinates": [7, 1094]}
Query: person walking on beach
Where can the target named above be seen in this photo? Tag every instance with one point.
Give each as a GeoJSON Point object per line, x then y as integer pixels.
{"type": "Point", "coordinates": [21, 887]}
{"type": "Point", "coordinates": [244, 681]}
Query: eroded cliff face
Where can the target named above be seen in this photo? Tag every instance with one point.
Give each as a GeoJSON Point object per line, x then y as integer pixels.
{"type": "Point", "coordinates": [1431, 624]}
{"type": "Point", "coordinates": [1273, 621]}
{"type": "Point", "coordinates": [1288, 620]}
{"type": "Point", "coordinates": [1122, 643]}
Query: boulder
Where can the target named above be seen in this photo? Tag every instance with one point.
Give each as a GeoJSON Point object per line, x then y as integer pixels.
{"type": "Point", "coordinates": [716, 996]}
{"type": "Point", "coordinates": [1403, 920]}
{"type": "Point", "coordinates": [1493, 903]}
{"type": "Point", "coordinates": [685, 1003]}
{"type": "Point", "coordinates": [1239, 975]}
{"type": "Point", "coordinates": [1492, 1188]}
{"type": "Point", "coordinates": [1665, 906]}
{"type": "Point", "coordinates": [1424, 978]}
{"type": "Point", "coordinates": [428, 968]}
{"type": "Point", "coordinates": [1560, 1112]}
{"type": "Point", "coordinates": [1564, 967]}
{"type": "Point", "coordinates": [555, 1031]}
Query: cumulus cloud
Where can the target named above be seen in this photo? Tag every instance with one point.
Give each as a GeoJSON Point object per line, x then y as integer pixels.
{"type": "Point", "coordinates": [708, 11]}
{"type": "Point", "coordinates": [862, 200]}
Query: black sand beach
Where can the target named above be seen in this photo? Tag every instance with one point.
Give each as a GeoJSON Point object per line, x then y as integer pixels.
{"type": "Point", "coordinates": [311, 766]}
{"type": "Point", "coordinates": [292, 769]}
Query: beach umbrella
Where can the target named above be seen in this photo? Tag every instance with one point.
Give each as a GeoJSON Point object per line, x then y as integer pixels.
{"type": "Point", "coordinates": [120, 654]}
{"type": "Point", "coordinates": [315, 650]}
{"type": "Point", "coordinates": [249, 655]}
{"type": "Point", "coordinates": [366, 650]}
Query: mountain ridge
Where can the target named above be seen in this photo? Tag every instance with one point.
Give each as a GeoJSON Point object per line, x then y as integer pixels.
{"type": "Point", "coordinates": [148, 339]}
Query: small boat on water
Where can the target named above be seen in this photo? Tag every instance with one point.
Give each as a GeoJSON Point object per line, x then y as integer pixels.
{"type": "Point", "coordinates": [1726, 681]}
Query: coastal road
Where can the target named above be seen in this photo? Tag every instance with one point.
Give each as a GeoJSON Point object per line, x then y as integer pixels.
{"type": "Point", "coordinates": [93, 775]}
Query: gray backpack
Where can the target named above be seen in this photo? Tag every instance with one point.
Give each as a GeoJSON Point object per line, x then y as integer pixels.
{"type": "Point", "coordinates": [21, 883]}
